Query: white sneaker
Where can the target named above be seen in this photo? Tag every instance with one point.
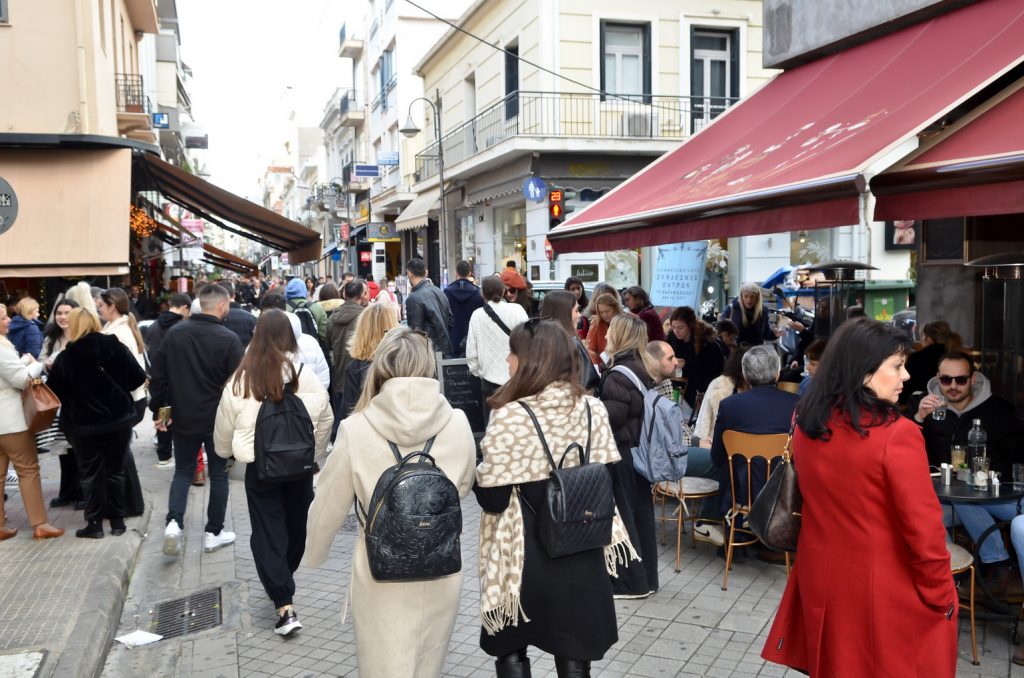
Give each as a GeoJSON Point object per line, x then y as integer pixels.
{"type": "Point", "coordinates": [216, 541]}
{"type": "Point", "coordinates": [172, 539]}
{"type": "Point", "coordinates": [12, 477]}
{"type": "Point", "coordinates": [708, 532]}
{"type": "Point", "coordinates": [165, 463]}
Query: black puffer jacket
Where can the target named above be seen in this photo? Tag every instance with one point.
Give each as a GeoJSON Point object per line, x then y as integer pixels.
{"type": "Point", "coordinates": [427, 309]}
{"type": "Point", "coordinates": [625, 404]}
{"type": "Point", "coordinates": [94, 377]}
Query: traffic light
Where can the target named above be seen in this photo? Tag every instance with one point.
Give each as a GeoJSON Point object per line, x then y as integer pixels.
{"type": "Point", "coordinates": [556, 206]}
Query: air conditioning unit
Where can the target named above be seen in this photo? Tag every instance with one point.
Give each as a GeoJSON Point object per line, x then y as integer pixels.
{"type": "Point", "coordinates": [639, 124]}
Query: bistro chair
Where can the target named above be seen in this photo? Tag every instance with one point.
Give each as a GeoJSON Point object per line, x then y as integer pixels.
{"type": "Point", "coordinates": [748, 446]}
{"type": "Point", "coordinates": [697, 402]}
{"type": "Point", "coordinates": [679, 492]}
{"type": "Point", "coordinates": [961, 561]}
{"type": "Point", "coordinates": [789, 386]}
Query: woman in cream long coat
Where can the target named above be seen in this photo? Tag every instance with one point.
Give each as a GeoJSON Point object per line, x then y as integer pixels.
{"type": "Point", "coordinates": [402, 628]}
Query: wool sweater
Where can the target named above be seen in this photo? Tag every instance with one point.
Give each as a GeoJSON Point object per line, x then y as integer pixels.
{"type": "Point", "coordinates": [487, 344]}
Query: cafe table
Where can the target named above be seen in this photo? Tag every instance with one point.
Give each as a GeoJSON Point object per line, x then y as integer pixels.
{"type": "Point", "coordinates": [961, 492]}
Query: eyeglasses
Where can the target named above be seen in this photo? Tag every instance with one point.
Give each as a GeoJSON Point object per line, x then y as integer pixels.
{"type": "Point", "coordinates": [946, 380]}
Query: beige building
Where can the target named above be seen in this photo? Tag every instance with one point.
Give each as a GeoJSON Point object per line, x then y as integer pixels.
{"type": "Point", "coordinates": [580, 94]}
{"type": "Point", "coordinates": [74, 108]}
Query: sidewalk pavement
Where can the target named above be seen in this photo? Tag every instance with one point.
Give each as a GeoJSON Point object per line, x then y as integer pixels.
{"type": "Point", "coordinates": [61, 598]}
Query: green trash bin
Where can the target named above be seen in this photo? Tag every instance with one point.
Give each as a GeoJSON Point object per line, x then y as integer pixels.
{"type": "Point", "coordinates": [884, 298]}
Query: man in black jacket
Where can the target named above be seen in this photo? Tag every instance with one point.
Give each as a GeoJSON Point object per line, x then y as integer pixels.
{"type": "Point", "coordinates": [968, 397]}
{"type": "Point", "coordinates": [178, 310]}
{"type": "Point", "coordinates": [463, 298]}
{"type": "Point", "coordinates": [239, 321]}
{"type": "Point", "coordinates": [427, 308]}
{"type": "Point", "coordinates": [195, 361]}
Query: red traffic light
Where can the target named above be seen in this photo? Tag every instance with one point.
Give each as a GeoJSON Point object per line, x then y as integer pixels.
{"type": "Point", "coordinates": [556, 210]}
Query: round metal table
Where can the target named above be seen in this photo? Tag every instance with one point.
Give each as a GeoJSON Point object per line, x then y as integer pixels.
{"type": "Point", "coordinates": [960, 492]}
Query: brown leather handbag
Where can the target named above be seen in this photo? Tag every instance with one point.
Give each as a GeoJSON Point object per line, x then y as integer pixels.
{"type": "Point", "coordinates": [775, 514]}
{"type": "Point", "coordinates": [40, 405]}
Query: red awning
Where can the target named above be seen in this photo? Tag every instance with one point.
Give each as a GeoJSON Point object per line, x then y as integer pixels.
{"type": "Point", "coordinates": [974, 168]}
{"type": "Point", "coordinates": [793, 155]}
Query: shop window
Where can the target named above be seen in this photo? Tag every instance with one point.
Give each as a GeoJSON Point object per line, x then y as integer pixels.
{"type": "Point", "coordinates": [626, 59]}
{"type": "Point", "coordinates": [510, 236]}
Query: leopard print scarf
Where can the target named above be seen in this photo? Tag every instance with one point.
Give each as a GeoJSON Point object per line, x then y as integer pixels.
{"type": "Point", "coordinates": [513, 455]}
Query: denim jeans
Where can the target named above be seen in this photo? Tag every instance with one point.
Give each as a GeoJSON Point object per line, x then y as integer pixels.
{"type": "Point", "coordinates": [977, 518]}
{"type": "Point", "coordinates": [186, 449]}
{"type": "Point", "coordinates": [699, 465]}
{"type": "Point", "coordinates": [1017, 539]}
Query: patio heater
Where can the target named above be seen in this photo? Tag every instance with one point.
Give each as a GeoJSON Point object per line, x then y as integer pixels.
{"type": "Point", "coordinates": [837, 291]}
{"type": "Point", "coordinates": [1001, 350]}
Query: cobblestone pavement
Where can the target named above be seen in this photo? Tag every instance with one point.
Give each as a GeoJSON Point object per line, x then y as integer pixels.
{"type": "Point", "coordinates": [689, 628]}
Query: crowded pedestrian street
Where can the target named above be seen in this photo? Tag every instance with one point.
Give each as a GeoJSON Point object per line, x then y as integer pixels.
{"type": "Point", "coordinates": [512, 338]}
{"type": "Point", "coordinates": [689, 628]}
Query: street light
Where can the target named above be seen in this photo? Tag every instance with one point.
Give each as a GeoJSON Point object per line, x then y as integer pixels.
{"type": "Point", "coordinates": [409, 130]}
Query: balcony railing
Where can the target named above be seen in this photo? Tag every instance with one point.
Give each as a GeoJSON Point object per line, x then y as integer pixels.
{"type": "Point", "coordinates": [555, 114]}
{"type": "Point", "coordinates": [131, 95]}
{"type": "Point", "coordinates": [350, 101]}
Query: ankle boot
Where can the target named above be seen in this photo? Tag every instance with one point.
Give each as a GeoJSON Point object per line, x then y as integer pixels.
{"type": "Point", "coordinates": [515, 665]}
{"type": "Point", "coordinates": [572, 668]}
{"type": "Point", "coordinates": [93, 530]}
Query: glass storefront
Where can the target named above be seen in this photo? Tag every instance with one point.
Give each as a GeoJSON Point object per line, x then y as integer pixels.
{"type": "Point", "coordinates": [465, 237]}
{"type": "Point", "coordinates": [510, 236]}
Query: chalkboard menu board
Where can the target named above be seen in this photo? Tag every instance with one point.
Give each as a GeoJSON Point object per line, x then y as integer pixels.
{"type": "Point", "coordinates": [462, 390]}
{"type": "Point", "coordinates": [943, 241]}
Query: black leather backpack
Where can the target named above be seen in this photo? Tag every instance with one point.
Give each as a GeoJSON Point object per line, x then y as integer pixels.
{"type": "Point", "coordinates": [414, 520]}
{"type": "Point", "coordinates": [284, 445]}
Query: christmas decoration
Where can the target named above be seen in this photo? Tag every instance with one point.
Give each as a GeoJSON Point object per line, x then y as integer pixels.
{"type": "Point", "coordinates": [141, 223]}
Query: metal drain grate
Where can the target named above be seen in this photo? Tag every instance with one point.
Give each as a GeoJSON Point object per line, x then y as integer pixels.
{"type": "Point", "coordinates": [197, 612]}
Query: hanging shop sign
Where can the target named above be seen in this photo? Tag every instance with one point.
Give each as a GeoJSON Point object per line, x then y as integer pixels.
{"type": "Point", "coordinates": [382, 232]}
{"type": "Point", "coordinates": [388, 158]}
{"type": "Point", "coordinates": [8, 206]}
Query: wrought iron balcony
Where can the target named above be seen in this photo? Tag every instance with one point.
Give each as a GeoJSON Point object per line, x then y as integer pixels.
{"type": "Point", "coordinates": [573, 115]}
{"type": "Point", "coordinates": [131, 95]}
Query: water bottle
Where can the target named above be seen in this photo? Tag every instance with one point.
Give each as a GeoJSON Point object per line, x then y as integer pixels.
{"type": "Point", "coordinates": [976, 440]}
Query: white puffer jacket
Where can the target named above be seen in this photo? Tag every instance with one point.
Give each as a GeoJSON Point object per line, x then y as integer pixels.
{"type": "Point", "coordinates": [234, 432]}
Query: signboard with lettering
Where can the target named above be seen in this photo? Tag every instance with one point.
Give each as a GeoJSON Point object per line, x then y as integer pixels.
{"type": "Point", "coordinates": [679, 274]}
{"type": "Point", "coordinates": [161, 121]}
{"type": "Point", "coordinates": [366, 171]}
{"type": "Point", "coordinates": [191, 239]}
{"type": "Point", "coordinates": [586, 272]}
{"type": "Point", "coordinates": [388, 158]}
{"type": "Point", "coordinates": [462, 391]}
{"type": "Point", "coordinates": [382, 232]}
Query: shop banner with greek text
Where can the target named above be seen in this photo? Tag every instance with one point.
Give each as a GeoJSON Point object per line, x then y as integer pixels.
{"type": "Point", "coordinates": [679, 273]}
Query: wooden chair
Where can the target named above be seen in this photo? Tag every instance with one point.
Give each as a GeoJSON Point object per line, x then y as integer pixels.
{"type": "Point", "coordinates": [680, 492]}
{"type": "Point", "coordinates": [788, 386]}
{"type": "Point", "coordinates": [749, 446]}
{"type": "Point", "coordinates": [961, 561]}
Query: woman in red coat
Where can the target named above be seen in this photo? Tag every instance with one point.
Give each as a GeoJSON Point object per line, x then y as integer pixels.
{"type": "Point", "coordinates": [871, 594]}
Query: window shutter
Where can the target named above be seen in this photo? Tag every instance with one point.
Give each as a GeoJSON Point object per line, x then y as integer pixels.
{"type": "Point", "coordinates": [734, 65]}
{"type": "Point", "coordinates": [647, 63]}
{"type": "Point", "coordinates": [600, 59]}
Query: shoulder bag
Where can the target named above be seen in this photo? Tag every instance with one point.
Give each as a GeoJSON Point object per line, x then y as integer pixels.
{"type": "Point", "coordinates": [40, 405]}
{"type": "Point", "coordinates": [494, 316]}
{"type": "Point", "coordinates": [775, 514]}
{"type": "Point", "coordinates": [578, 501]}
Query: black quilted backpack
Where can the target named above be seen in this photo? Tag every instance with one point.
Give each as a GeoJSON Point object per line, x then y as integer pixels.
{"type": "Point", "coordinates": [414, 520]}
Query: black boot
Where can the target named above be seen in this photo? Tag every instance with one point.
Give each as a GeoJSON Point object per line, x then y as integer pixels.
{"type": "Point", "coordinates": [117, 527]}
{"type": "Point", "coordinates": [572, 668]}
{"type": "Point", "coordinates": [94, 530]}
{"type": "Point", "coordinates": [515, 665]}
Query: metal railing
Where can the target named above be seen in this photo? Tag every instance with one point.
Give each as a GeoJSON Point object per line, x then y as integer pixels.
{"type": "Point", "coordinates": [386, 98]}
{"type": "Point", "coordinates": [564, 114]}
{"type": "Point", "coordinates": [350, 102]}
{"type": "Point", "coordinates": [131, 95]}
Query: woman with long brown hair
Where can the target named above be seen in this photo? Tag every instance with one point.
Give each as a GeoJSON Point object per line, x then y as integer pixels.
{"type": "Point", "coordinates": [94, 377]}
{"type": "Point", "coordinates": [562, 606]}
{"type": "Point", "coordinates": [693, 341]}
{"type": "Point", "coordinates": [277, 510]}
{"type": "Point", "coordinates": [563, 307]}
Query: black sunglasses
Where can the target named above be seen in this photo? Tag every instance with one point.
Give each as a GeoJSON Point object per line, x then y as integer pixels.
{"type": "Point", "coordinates": [946, 380]}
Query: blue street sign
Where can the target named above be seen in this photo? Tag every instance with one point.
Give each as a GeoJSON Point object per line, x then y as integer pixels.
{"type": "Point", "coordinates": [366, 171]}
{"type": "Point", "coordinates": [388, 159]}
{"type": "Point", "coordinates": [535, 189]}
{"type": "Point", "coordinates": [335, 255]}
{"type": "Point", "coordinates": [161, 121]}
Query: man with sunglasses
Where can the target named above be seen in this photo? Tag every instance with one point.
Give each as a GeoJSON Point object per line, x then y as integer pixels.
{"type": "Point", "coordinates": [968, 397]}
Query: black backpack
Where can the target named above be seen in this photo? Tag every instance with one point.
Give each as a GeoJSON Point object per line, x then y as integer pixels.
{"type": "Point", "coordinates": [306, 319]}
{"type": "Point", "coordinates": [285, 445]}
{"type": "Point", "coordinates": [414, 522]}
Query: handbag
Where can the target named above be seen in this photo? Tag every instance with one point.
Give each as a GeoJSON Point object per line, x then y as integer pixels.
{"type": "Point", "coordinates": [40, 405]}
{"type": "Point", "coordinates": [775, 514]}
{"type": "Point", "coordinates": [578, 501]}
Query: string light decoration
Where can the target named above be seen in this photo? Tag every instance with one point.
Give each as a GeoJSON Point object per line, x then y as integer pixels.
{"type": "Point", "coordinates": [141, 223]}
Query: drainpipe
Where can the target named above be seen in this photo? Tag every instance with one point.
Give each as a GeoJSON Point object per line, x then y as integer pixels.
{"type": "Point", "coordinates": [83, 104]}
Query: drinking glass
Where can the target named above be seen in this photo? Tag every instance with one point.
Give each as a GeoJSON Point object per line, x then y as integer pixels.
{"type": "Point", "coordinates": [1018, 474]}
{"type": "Point", "coordinates": [979, 471]}
{"type": "Point", "coordinates": [939, 413]}
{"type": "Point", "coordinates": [958, 458]}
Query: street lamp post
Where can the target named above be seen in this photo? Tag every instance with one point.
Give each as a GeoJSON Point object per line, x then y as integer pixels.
{"type": "Point", "coordinates": [409, 130]}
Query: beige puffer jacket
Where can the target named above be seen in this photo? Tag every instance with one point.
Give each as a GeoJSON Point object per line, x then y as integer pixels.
{"type": "Point", "coordinates": [234, 432]}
